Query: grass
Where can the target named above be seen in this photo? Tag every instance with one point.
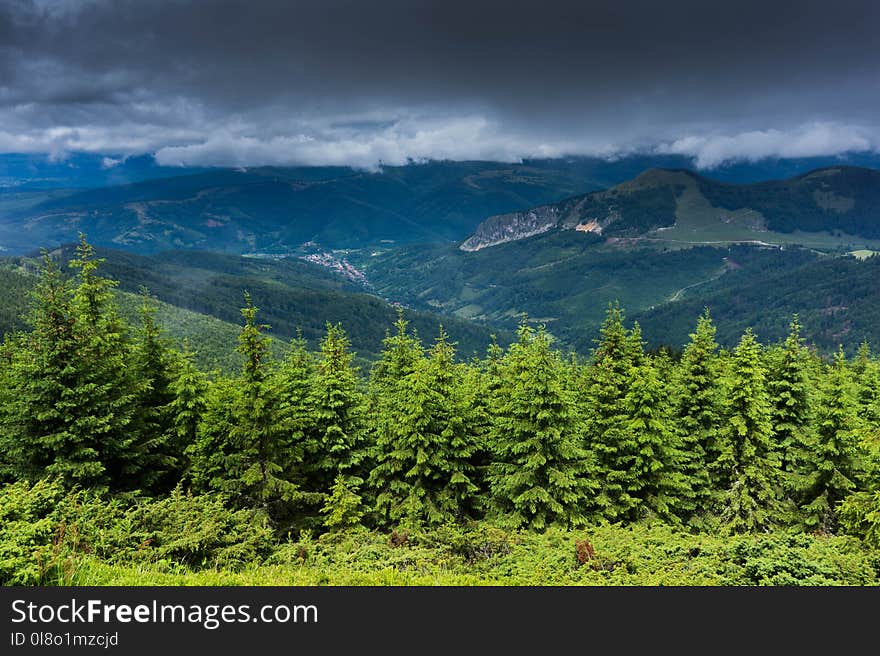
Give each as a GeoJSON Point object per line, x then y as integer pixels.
{"type": "Point", "coordinates": [641, 555]}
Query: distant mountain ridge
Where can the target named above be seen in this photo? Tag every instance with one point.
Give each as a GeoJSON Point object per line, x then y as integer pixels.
{"type": "Point", "coordinates": [34, 171]}
{"type": "Point", "coordinates": [278, 209]}
{"type": "Point", "coordinates": [841, 198]}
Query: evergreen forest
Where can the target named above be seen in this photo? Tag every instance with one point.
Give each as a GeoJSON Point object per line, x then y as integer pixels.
{"type": "Point", "coordinates": [122, 462]}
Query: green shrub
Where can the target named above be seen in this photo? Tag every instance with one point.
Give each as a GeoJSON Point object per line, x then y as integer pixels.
{"type": "Point", "coordinates": [197, 531]}
{"type": "Point", "coordinates": [860, 516]}
{"type": "Point", "coordinates": [796, 560]}
{"type": "Point", "coordinates": [46, 531]}
{"type": "Point", "coordinates": [31, 532]}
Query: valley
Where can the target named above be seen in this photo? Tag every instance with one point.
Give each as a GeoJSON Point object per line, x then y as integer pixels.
{"type": "Point", "coordinates": [200, 295]}
{"type": "Point", "coordinates": [667, 240]}
{"type": "Point", "coordinates": [324, 241]}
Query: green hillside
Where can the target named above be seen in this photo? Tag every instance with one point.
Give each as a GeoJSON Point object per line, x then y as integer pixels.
{"type": "Point", "coordinates": [205, 291]}
{"type": "Point", "coordinates": [213, 340]}
{"type": "Point", "coordinates": [837, 300]}
{"type": "Point", "coordinates": [842, 198]}
{"type": "Point", "coordinates": [564, 279]}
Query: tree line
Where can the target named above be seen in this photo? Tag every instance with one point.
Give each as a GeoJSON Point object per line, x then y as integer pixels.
{"type": "Point", "coordinates": [743, 440]}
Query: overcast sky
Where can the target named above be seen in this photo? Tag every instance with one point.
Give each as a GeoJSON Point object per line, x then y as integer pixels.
{"type": "Point", "coordinates": [244, 83]}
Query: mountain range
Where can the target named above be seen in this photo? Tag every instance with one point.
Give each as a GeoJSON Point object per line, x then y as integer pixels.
{"type": "Point", "coordinates": [478, 245]}
{"type": "Point", "coordinates": [675, 205]}
{"type": "Point", "coordinates": [277, 210]}
{"type": "Point", "coordinates": [665, 244]}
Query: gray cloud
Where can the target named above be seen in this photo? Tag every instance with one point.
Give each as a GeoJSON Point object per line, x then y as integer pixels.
{"type": "Point", "coordinates": [230, 82]}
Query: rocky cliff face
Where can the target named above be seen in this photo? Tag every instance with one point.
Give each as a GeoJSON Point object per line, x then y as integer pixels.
{"type": "Point", "coordinates": [510, 227]}
{"type": "Point", "coordinates": [646, 202]}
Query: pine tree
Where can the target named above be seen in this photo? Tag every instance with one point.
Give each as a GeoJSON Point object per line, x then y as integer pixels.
{"type": "Point", "coordinates": [747, 463]}
{"type": "Point", "coordinates": [333, 443]}
{"type": "Point", "coordinates": [833, 470]}
{"type": "Point", "coordinates": [423, 472]}
{"type": "Point", "coordinates": [541, 474]}
{"type": "Point", "coordinates": [789, 393]}
{"type": "Point", "coordinates": [697, 413]}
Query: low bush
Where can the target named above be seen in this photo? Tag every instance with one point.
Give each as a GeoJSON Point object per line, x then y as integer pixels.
{"type": "Point", "coordinates": [45, 531]}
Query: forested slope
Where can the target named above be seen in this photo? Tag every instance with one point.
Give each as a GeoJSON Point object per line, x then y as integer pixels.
{"type": "Point", "coordinates": [766, 456]}
{"type": "Point", "coordinates": [295, 297]}
{"type": "Point", "coordinates": [837, 300]}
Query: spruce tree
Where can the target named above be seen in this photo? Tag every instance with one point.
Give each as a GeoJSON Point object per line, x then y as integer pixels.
{"type": "Point", "coordinates": [697, 413]}
{"type": "Point", "coordinates": [7, 352]}
{"type": "Point", "coordinates": [616, 345]}
{"type": "Point", "coordinates": [294, 378]}
{"type": "Point", "coordinates": [607, 425]}
{"type": "Point", "coordinates": [484, 381]}
{"type": "Point", "coordinates": [259, 465]}
{"type": "Point", "coordinates": [867, 373]}
{"type": "Point", "coordinates": [72, 398]}
{"type": "Point", "coordinates": [789, 394]}
{"type": "Point", "coordinates": [39, 427]}
{"type": "Point", "coordinates": [400, 353]}
{"type": "Point", "coordinates": [832, 472]}
{"type": "Point", "coordinates": [333, 443]}
{"type": "Point", "coordinates": [106, 390]}
{"type": "Point", "coordinates": [867, 370]}
{"type": "Point", "coordinates": [211, 453]}
{"type": "Point", "coordinates": [344, 506]}
{"type": "Point", "coordinates": [659, 484]}
{"type": "Point", "coordinates": [541, 473]}
{"type": "Point", "coordinates": [423, 472]}
{"type": "Point", "coordinates": [747, 464]}
{"type": "Point", "coordinates": [240, 450]}
{"type": "Point", "coordinates": [162, 458]}
{"type": "Point", "coordinates": [634, 347]}
{"type": "Point", "coordinates": [189, 390]}
{"type": "Point", "coordinates": [481, 381]}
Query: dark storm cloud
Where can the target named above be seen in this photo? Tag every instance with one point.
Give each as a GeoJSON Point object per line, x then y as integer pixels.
{"type": "Point", "coordinates": [231, 82]}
